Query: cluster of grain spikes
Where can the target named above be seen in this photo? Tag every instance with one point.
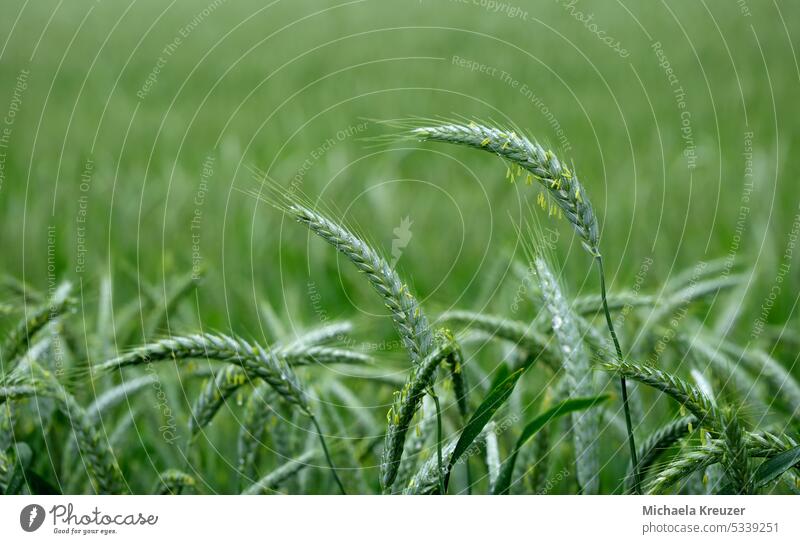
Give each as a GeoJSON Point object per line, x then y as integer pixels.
{"type": "Point", "coordinates": [724, 437]}
{"type": "Point", "coordinates": [98, 457]}
{"type": "Point", "coordinates": [261, 362]}
{"type": "Point", "coordinates": [568, 196]}
{"type": "Point", "coordinates": [413, 327]}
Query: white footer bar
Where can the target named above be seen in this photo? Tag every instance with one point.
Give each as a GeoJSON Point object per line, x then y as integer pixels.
{"type": "Point", "coordinates": [389, 520]}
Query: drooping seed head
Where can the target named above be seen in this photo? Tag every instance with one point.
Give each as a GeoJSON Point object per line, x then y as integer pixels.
{"type": "Point", "coordinates": [560, 183]}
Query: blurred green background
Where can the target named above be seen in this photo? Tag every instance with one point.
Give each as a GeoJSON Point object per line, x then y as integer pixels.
{"type": "Point", "coordinates": [147, 91]}
{"type": "Point", "coordinates": [132, 131]}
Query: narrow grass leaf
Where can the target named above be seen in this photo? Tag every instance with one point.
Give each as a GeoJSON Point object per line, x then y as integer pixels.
{"type": "Point", "coordinates": [568, 406]}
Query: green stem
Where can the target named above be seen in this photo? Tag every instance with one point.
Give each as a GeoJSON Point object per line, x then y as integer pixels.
{"type": "Point", "coordinates": [435, 398]}
{"type": "Point", "coordinates": [637, 481]}
{"type": "Point", "coordinates": [328, 455]}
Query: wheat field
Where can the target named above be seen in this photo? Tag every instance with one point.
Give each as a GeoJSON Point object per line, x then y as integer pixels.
{"type": "Point", "coordinates": [426, 247]}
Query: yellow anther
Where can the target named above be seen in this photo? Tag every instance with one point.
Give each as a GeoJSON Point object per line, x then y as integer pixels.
{"type": "Point", "coordinates": [485, 142]}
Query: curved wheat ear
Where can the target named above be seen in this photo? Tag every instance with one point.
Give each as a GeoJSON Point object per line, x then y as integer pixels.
{"type": "Point", "coordinates": [731, 374]}
{"type": "Point", "coordinates": [172, 482]}
{"type": "Point", "coordinates": [116, 395]}
{"type": "Point", "coordinates": [686, 394]}
{"type": "Point", "coordinates": [251, 357]}
{"type": "Point", "coordinates": [714, 451]}
{"type": "Point", "coordinates": [564, 189]}
{"type": "Point", "coordinates": [684, 466]}
{"type": "Point", "coordinates": [257, 414]}
{"type": "Point", "coordinates": [302, 355]}
{"type": "Point", "coordinates": [101, 405]}
{"type": "Point", "coordinates": [780, 379]}
{"type": "Point", "coordinates": [410, 322]}
{"type": "Point", "coordinates": [19, 339]}
{"type": "Point", "coordinates": [577, 372]}
{"type": "Point", "coordinates": [766, 444]}
{"type": "Point", "coordinates": [323, 335]}
{"type": "Point", "coordinates": [735, 456]}
{"type": "Point", "coordinates": [227, 381]}
{"type": "Point", "coordinates": [16, 392]}
{"type": "Point", "coordinates": [214, 394]}
{"type": "Point", "coordinates": [542, 165]}
{"type": "Point", "coordinates": [691, 293]}
{"type": "Point", "coordinates": [405, 406]}
{"type": "Point", "coordinates": [658, 442]}
{"type": "Point", "coordinates": [279, 475]}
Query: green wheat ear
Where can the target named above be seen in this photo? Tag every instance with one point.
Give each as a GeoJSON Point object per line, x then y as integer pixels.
{"type": "Point", "coordinates": [567, 196]}
{"type": "Point", "coordinates": [561, 184]}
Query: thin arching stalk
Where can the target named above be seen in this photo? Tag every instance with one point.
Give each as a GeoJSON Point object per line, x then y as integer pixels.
{"type": "Point", "coordinates": [328, 455]}
{"type": "Point", "coordinates": [637, 482]}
